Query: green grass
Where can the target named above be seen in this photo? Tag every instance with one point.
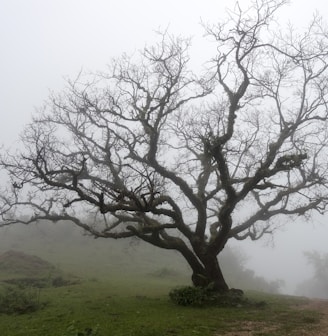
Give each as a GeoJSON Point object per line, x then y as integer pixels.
{"type": "Point", "coordinates": [124, 292]}
{"type": "Point", "coordinates": [140, 307]}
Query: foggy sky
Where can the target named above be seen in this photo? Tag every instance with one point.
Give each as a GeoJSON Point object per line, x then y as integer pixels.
{"type": "Point", "coordinates": [44, 41]}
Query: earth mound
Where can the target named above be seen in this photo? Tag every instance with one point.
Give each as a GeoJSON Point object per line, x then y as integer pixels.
{"type": "Point", "coordinates": [19, 268]}
{"type": "Point", "coordinates": [22, 264]}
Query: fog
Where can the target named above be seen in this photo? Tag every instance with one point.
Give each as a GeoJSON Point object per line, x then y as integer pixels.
{"type": "Point", "coordinates": [44, 42]}
{"type": "Point", "coordinates": [71, 251]}
{"type": "Point", "coordinates": [282, 255]}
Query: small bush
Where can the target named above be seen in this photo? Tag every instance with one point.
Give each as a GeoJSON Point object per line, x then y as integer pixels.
{"type": "Point", "coordinates": [197, 296]}
{"type": "Point", "coordinates": [16, 300]}
{"type": "Point", "coordinates": [189, 296]}
{"type": "Point", "coordinates": [59, 281]}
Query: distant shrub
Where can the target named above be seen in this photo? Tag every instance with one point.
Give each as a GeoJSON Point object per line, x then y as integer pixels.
{"type": "Point", "coordinates": [59, 281]}
{"type": "Point", "coordinates": [197, 296]}
{"type": "Point", "coordinates": [27, 282]}
{"type": "Point", "coordinates": [165, 272]}
{"type": "Point", "coordinates": [72, 330]}
{"type": "Point", "coordinates": [17, 300]}
{"type": "Point", "coordinates": [233, 263]}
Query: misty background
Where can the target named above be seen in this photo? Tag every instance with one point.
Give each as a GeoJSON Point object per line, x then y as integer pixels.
{"type": "Point", "coordinates": [44, 42]}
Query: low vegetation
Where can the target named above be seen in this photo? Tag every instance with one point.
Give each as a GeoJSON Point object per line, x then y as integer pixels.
{"type": "Point", "coordinates": [120, 307]}
{"type": "Point", "coordinates": [18, 300]}
{"type": "Point", "coordinates": [117, 295]}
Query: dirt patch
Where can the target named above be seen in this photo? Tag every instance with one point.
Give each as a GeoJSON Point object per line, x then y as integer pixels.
{"type": "Point", "coordinates": [248, 328]}
{"type": "Point", "coordinates": [320, 306]}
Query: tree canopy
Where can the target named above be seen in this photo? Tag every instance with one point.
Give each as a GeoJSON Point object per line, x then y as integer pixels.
{"type": "Point", "coordinates": [181, 160]}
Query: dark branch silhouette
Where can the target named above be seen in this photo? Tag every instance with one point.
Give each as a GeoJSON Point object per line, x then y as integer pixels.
{"type": "Point", "coordinates": [181, 161]}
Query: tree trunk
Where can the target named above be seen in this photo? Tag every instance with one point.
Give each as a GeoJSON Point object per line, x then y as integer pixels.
{"type": "Point", "coordinates": [206, 270]}
{"type": "Point", "coordinates": [211, 275]}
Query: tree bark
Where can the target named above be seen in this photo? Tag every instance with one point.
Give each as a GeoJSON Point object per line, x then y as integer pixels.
{"type": "Point", "coordinates": [209, 274]}
{"type": "Point", "coordinates": [214, 274]}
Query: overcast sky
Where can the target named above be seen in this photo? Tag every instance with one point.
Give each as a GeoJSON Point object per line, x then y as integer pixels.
{"type": "Point", "coordinates": [44, 41]}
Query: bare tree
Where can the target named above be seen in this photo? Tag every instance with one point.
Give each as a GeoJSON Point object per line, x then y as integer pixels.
{"type": "Point", "coordinates": [317, 284]}
{"type": "Point", "coordinates": [185, 162]}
